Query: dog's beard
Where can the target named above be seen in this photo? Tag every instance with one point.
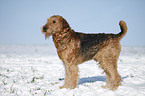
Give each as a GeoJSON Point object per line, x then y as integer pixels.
{"type": "Point", "coordinates": [47, 35]}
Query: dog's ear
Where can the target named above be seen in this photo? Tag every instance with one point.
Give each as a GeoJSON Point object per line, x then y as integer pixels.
{"type": "Point", "coordinates": [65, 24]}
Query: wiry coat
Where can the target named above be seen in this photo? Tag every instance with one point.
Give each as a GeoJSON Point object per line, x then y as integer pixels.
{"type": "Point", "coordinates": [74, 48]}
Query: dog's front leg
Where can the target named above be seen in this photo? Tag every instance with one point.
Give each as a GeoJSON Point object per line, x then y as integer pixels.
{"type": "Point", "coordinates": [73, 75]}
{"type": "Point", "coordinates": [67, 79]}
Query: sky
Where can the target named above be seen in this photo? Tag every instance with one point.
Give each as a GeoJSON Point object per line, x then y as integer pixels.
{"type": "Point", "coordinates": [21, 20]}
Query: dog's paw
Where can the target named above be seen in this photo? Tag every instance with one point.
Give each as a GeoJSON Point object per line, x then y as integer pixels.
{"type": "Point", "coordinates": [61, 87]}
{"type": "Point", "coordinates": [105, 87]}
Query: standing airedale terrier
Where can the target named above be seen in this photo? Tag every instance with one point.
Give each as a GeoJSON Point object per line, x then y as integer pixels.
{"type": "Point", "coordinates": [74, 48]}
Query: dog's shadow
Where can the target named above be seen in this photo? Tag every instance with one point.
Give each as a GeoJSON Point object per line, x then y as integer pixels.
{"type": "Point", "coordinates": [92, 79]}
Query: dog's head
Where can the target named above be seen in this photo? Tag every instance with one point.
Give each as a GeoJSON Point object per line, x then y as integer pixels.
{"type": "Point", "coordinates": [54, 25]}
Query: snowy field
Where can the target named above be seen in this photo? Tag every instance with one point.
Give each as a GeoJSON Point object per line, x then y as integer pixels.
{"type": "Point", "coordinates": [27, 70]}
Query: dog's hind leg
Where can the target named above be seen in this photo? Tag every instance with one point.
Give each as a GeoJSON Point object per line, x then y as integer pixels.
{"type": "Point", "coordinates": [108, 80]}
{"type": "Point", "coordinates": [113, 78]}
{"type": "Point", "coordinates": [107, 58]}
{"type": "Point", "coordinates": [109, 64]}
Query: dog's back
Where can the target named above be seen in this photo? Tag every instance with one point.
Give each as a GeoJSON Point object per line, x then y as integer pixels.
{"type": "Point", "coordinates": [91, 43]}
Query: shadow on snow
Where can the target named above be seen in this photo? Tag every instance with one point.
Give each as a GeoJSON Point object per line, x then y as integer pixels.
{"type": "Point", "coordinates": [92, 79]}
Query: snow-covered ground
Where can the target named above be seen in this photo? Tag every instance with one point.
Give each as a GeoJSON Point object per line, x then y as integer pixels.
{"type": "Point", "coordinates": [27, 70]}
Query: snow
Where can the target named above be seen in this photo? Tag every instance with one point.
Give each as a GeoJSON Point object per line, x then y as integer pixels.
{"type": "Point", "coordinates": [27, 70]}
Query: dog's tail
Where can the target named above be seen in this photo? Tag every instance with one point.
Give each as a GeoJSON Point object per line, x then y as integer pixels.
{"type": "Point", "coordinates": [123, 28]}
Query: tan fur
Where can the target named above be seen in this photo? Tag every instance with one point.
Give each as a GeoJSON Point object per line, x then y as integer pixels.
{"type": "Point", "coordinates": [74, 48]}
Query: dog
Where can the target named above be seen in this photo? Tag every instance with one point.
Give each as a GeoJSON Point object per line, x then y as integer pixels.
{"type": "Point", "coordinates": [74, 48]}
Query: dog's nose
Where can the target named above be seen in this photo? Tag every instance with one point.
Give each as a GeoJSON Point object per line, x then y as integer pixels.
{"type": "Point", "coordinates": [44, 28]}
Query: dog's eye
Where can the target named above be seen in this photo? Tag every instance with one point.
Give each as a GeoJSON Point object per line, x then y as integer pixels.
{"type": "Point", "coordinates": [54, 21]}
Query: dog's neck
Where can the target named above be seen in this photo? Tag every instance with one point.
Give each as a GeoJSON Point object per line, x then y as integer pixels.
{"type": "Point", "coordinates": [62, 38]}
